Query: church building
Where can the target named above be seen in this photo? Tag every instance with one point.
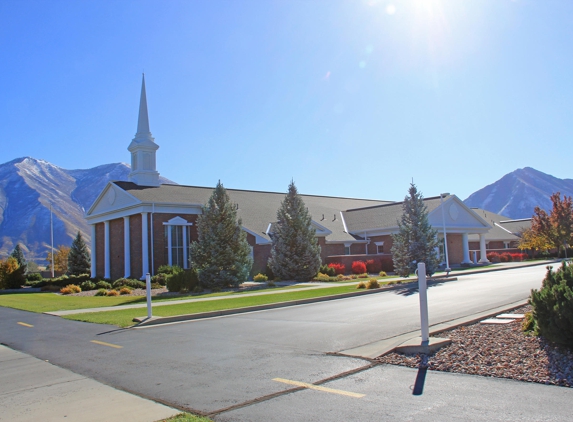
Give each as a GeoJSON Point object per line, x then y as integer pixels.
{"type": "Point", "coordinates": [141, 224]}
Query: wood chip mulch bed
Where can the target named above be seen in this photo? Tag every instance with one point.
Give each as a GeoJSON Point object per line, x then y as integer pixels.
{"type": "Point", "coordinates": [502, 351]}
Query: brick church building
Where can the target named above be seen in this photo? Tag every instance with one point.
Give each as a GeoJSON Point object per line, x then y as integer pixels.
{"type": "Point", "coordinates": [141, 224]}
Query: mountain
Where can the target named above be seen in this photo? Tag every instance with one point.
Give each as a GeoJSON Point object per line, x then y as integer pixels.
{"type": "Point", "coordinates": [28, 187]}
{"type": "Point", "coordinates": [516, 194]}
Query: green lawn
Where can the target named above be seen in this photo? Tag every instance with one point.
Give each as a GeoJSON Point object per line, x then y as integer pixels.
{"type": "Point", "coordinates": [186, 417]}
{"type": "Point", "coordinates": [49, 302]}
{"type": "Point", "coordinates": [124, 318]}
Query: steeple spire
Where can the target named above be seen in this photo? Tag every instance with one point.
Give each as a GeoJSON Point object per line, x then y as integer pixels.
{"type": "Point", "coordinates": [143, 120]}
{"type": "Point", "coordinates": [143, 148]}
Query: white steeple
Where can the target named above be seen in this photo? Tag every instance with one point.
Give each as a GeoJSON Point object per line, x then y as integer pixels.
{"type": "Point", "coordinates": [143, 148]}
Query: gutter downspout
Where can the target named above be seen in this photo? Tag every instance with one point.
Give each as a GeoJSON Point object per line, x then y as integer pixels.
{"type": "Point", "coordinates": [152, 244]}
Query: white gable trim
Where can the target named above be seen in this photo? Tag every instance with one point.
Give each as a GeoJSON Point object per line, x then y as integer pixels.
{"type": "Point", "coordinates": [177, 221]}
{"type": "Point", "coordinates": [259, 240]}
{"type": "Point", "coordinates": [117, 190]}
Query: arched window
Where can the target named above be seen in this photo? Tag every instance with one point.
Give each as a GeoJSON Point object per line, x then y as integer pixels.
{"type": "Point", "coordinates": [177, 241]}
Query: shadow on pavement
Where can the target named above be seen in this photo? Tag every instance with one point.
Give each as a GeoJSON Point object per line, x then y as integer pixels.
{"type": "Point", "coordinates": [420, 380]}
{"type": "Point", "coordinates": [409, 291]}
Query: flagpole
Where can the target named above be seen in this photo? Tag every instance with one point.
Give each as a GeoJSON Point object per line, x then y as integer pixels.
{"type": "Point", "coordinates": [52, 238]}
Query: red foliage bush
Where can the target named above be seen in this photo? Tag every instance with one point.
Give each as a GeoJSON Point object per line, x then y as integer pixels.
{"type": "Point", "coordinates": [358, 267]}
{"type": "Point", "coordinates": [493, 257]}
{"type": "Point", "coordinates": [374, 266]}
{"type": "Point", "coordinates": [505, 257]}
{"type": "Point", "coordinates": [339, 267]}
{"type": "Point", "coordinates": [518, 257]}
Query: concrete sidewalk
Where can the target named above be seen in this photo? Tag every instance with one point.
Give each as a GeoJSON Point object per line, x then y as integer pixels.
{"type": "Point", "coordinates": [34, 390]}
{"type": "Point", "coordinates": [307, 286]}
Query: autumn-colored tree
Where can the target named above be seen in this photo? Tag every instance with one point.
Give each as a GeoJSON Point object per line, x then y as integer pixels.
{"type": "Point", "coordinates": [60, 259]}
{"type": "Point", "coordinates": [11, 274]}
{"type": "Point", "coordinates": [552, 230]}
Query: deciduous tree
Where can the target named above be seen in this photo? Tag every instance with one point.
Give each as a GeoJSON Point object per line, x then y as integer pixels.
{"type": "Point", "coordinates": [60, 259]}
{"type": "Point", "coordinates": [553, 230]}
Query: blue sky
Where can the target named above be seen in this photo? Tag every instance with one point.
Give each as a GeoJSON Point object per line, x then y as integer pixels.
{"type": "Point", "coordinates": [348, 98]}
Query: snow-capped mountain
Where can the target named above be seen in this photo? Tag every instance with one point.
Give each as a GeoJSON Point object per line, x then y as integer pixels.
{"type": "Point", "coordinates": [29, 187]}
{"type": "Point", "coordinates": [516, 194]}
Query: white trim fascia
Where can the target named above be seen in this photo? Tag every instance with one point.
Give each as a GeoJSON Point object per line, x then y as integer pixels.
{"type": "Point", "coordinates": [259, 240]}
{"type": "Point", "coordinates": [459, 202]}
{"type": "Point", "coordinates": [177, 221]}
{"type": "Point", "coordinates": [503, 228]}
{"type": "Point", "coordinates": [104, 191]}
{"type": "Point", "coordinates": [343, 222]}
{"type": "Point", "coordinates": [334, 242]}
{"type": "Point", "coordinates": [143, 207]}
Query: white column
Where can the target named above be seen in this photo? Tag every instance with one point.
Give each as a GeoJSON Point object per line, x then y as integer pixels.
{"type": "Point", "coordinates": [482, 249]}
{"type": "Point", "coordinates": [169, 243]}
{"type": "Point", "coordinates": [185, 260]}
{"type": "Point", "coordinates": [466, 249]}
{"type": "Point", "coordinates": [93, 252]}
{"type": "Point", "coordinates": [126, 248]}
{"type": "Point", "coordinates": [144, 246]}
{"type": "Point", "coordinates": [106, 250]}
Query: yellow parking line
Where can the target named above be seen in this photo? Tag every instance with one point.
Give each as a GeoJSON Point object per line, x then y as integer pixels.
{"type": "Point", "coordinates": [115, 346]}
{"type": "Point", "coordinates": [319, 388]}
{"type": "Point", "coordinates": [25, 325]}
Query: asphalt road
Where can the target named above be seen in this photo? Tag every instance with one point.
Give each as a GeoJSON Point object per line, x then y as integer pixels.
{"type": "Point", "coordinates": [211, 365]}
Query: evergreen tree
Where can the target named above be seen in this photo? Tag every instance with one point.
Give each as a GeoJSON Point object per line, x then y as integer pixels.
{"type": "Point", "coordinates": [416, 241]}
{"type": "Point", "coordinates": [18, 254]}
{"type": "Point", "coordinates": [221, 255]}
{"type": "Point", "coordinates": [79, 261]}
{"type": "Point", "coordinates": [295, 253]}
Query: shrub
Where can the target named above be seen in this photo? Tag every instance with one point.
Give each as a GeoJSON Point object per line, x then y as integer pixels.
{"type": "Point", "coordinates": [271, 283]}
{"type": "Point", "coordinates": [125, 291]}
{"type": "Point", "coordinates": [69, 289]}
{"type": "Point", "coordinates": [34, 277]}
{"type": "Point", "coordinates": [518, 257]}
{"type": "Point", "coordinates": [363, 275]}
{"type": "Point", "coordinates": [325, 269]}
{"type": "Point", "coordinates": [339, 267]}
{"type": "Point", "coordinates": [101, 292]}
{"type": "Point", "coordinates": [183, 281]}
{"type": "Point", "coordinates": [553, 305]}
{"type": "Point", "coordinates": [372, 284]}
{"type": "Point", "coordinates": [358, 267]}
{"type": "Point", "coordinates": [103, 285]}
{"type": "Point", "coordinates": [383, 274]}
{"type": "Point", "coordinates": [88, 285]}
{"type": "Point", "coordinates": [169, 269]}
{"type": "Point", "coordinates": [340, 277]}
{"type": "Point", "coordinates": [156, 286]}
{"type": "Point", "coordinates": [528, 323]}
{"type": "Point", "coordinates": [374, 266]}
{"type": "Point", "coordinates": [160, 278]}
{"type": "Point", "coordinates": [321, 277]}
{"type": "Point", "coordinates": [112, 292]}
{"type": "Point", "coordinates": [260, 277]}
{"type": "Point", "coordinates": [505, 257]}
{"type": "Point", "coordinates": [361, 285]}
{"type": "Point", "coordinates": [353, 276]}
{"type": "Point", "coordinates": [493, 257]}
{"type": "Point", "coordinates": [129, 282]}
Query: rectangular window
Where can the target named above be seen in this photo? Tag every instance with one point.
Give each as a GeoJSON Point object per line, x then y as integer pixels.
{"type": "Point", "coordinates": [346, 250]}
{"type": "Point", "coordinates": [380, 249]}
{"type": "Point", "coordinates": [176, 246]}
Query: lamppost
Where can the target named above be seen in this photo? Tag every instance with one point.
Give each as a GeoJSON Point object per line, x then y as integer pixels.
{"type": "Point", "coordinates": [447, 269]}
{"type": "Point", "coordinates": [52, 241]}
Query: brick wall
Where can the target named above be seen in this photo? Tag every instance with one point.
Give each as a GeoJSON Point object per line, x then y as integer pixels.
{"type": "Point", "coordinates": [135, 246]}
{"type": "Point", "coordinates": [100, 250]}
{"type": "Point", "coordinates": [116, 243]}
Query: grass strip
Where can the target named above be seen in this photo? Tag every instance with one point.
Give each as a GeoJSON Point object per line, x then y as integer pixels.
{"type": "Point", "coordinates": [186, 417]}
{"type": "Point", "coordinates": [49, 302]}
{"type": "Point", "coordinates": [124, 318]}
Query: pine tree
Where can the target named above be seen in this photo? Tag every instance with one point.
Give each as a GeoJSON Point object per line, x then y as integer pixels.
{"type": "Point", "coordinates": [18, 254]}
{"type": "Point", "coordinates": [295, 253]}
{"type": "Point", "coordinates": [79, 261]}
{"type": "Point", "coordinates": [416, 240]}
{"type": "Point", "coordinates": [221, 255]}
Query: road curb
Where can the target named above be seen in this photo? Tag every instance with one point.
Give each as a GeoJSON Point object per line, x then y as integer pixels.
{"type": "Point", "coordinates": [144, 321]}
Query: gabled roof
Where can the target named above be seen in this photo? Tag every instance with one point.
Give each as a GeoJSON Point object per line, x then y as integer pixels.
{"type": "Point", "coordinates": [256, 209]}
{"type": "Point", "coordinates": [503, 229]}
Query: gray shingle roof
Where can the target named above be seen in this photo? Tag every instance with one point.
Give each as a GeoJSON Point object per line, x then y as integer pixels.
{"type": "Point", "coordinates": [381, 216]}
{"type": "Point", "coordinates": [257, 209]}
{"type": "Point", "coordinates": [503, 229]}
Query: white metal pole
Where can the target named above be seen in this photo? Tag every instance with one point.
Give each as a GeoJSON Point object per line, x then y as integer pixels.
{"type": "Point", "coordinates": [422, 288]}
{"type": "Point", "coordinates": [148, 288]}
{"type": "Point", "coordinates": [448, 269]}
{"type": "Point", "coordinates": [52, 241]}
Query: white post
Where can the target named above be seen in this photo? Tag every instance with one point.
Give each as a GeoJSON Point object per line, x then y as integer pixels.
{"type": "Point", "coordinates": [423, 291]}
{"type": "Point", "coordinates": [144, 245]}
{"type": "Point", "coordinates": [447, 269]}
{"type": "Point", "coordinates": [466, 248]}
{"type": "Point", "coordinates": [482, 249]}
{"type": "Point", "coordinates": [106, 254]}
{"type": "Point", "coordinates": [169, 244]}
{"type": "Point", "coordinates": [148, 288]}
{"type": "Point", "coordinates": [185, 260]}
{"type": "Point", "coordinates": [126, 248]}
{"type": "Point", "coordinates": [93, 252]}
